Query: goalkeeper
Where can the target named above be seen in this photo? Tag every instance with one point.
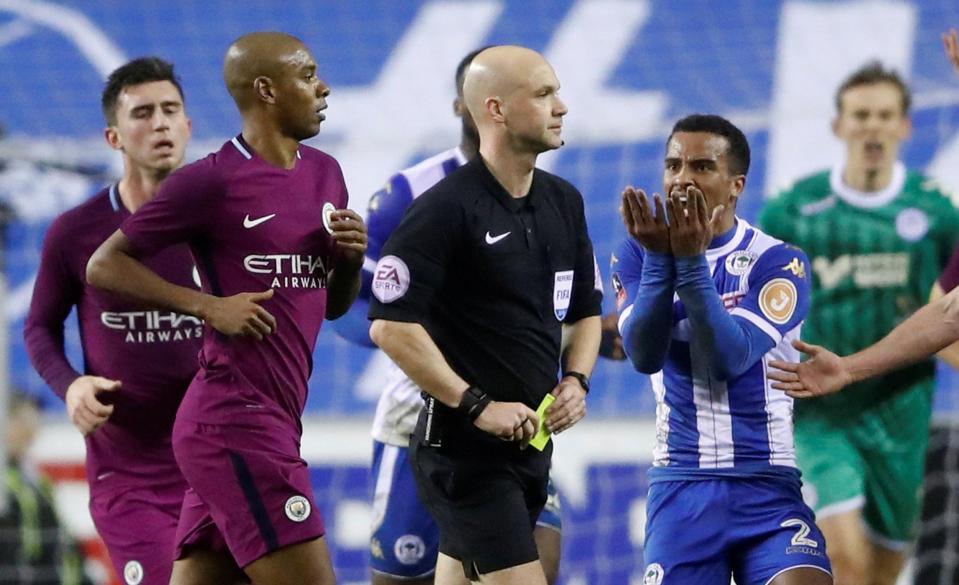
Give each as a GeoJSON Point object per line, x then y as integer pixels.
{"type": "Point", "coordinates": [877, 236]}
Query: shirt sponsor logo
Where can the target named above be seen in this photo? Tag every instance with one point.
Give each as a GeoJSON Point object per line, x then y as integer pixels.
{"type": "Point", "coordinates": [867, 270]}
{"type": "Point", "coordinates": [391, 279]}
{"type": "Point", "coordinates": [409, 549]}
{"type": "Point", "coordinates": [153, 326]}
{"type": "Point", "coordinates": [289, 270]}
{"type": "Point", "coordinates": [912, 224]}
{"type": "Point", "coordinates": [133, 573]}
{"type": "Point", "coordinates": [739, 262]}
{"type": "Point", "coordinates": [562, 293]}
{"type": "Point", "coordinates": [297, 508]}
{"type": "Point", "coordinates": [620, 291]}
{"type": "Point", "coordinates": [778, 299]}
{"type": "Point", "coordinates": [252, 223]}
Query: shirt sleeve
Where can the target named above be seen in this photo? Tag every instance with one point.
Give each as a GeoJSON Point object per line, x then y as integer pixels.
{"type": "Point", "coordinates": [180, 211]}
{"type": "Point", "coordinates": [644, 283]}
{"type": "Point", "coordinates": [55, 292]}
{"type": "Point", "coordinates": [384, 214]}
{"type": "Point", "coordinates": [779, 292]}
{"type": "Point", "coordinates": [587, 295]}
{"type": "Point", "coordinates": [413, 262]}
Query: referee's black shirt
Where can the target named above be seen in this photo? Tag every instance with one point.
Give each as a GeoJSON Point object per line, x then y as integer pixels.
{"type": "Point", "coordinates": [492, 279]}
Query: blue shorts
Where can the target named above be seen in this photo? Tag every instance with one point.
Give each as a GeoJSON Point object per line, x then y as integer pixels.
{"type": "Point", "coordinates": [405, 539]}
{"type": "Point", "coordinates": [705, 531]}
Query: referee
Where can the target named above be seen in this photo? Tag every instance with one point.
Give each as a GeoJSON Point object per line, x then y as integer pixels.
{"type": "Point", "coordinates": [485, 289]}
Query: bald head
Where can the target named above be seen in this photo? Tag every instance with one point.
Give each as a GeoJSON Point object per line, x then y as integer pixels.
{"type": "Point", "coordinates": [500, 71]}
{"type": "Point", "coordinates": [259, 54]}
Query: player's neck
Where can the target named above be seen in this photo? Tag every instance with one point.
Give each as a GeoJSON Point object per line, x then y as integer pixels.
{"type": "Point", "coordinates": [867, 180]}
{"type": "Point", "coordinates": [138, 186]}
{"type": "Point", "coordinates": [270, 145]}
{"type": "Point", "coordinates": [514, 171]}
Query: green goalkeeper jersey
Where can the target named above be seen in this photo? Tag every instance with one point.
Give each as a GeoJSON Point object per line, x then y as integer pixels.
{"type": "Point", "coordinates": [874, 258]}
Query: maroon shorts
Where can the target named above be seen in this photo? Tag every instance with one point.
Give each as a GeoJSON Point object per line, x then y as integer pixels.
{"type": "Point", "coordinates": [249, 491]}
{"type": "Point", "coordinates": [138, 525]}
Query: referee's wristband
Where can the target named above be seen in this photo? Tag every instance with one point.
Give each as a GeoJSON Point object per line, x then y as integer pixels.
{"type": "Point", "coordinates": [583, 379]}
{"type": "Point", "coordinates": [473, 403]}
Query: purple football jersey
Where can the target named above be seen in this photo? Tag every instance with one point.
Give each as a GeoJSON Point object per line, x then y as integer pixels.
{"type": "Point", "coordinates": [152, 352]}
{"type": "Point", "coordinates": [252, 226]}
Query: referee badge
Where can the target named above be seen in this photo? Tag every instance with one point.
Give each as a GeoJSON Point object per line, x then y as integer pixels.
{"type": "Point", "coordinates": [562, 292]}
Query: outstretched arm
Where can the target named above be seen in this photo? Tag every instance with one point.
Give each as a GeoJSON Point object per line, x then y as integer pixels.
{"type": "Point", "coordinates": [929, 330]}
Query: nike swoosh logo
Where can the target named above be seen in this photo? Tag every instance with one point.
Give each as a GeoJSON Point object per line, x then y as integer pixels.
{"type": "Point", "coordinates": [251, 223]}
{"type": "Point", "coordinates": [493, 239]}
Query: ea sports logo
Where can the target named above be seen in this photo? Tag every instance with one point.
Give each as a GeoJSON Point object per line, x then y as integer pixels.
{"type": "Point", "coordinates": [297, 508]}
{"type": "Point", "coordinates": [391, 279]}
{"type": "Point", "coordinates": [133, 573]}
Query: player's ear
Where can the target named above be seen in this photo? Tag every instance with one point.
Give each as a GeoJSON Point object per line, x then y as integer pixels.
{"type": "Point", "coordinates": [736, 187]}
{"type": "Point", "coordinates": [263, 87]}
{"type": "Point", "coordinates": [458, 107]}
{"type": "Point", "coordinates": [113, 138]}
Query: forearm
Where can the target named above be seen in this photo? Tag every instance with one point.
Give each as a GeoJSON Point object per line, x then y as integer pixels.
{"type": "Point", "coordinates": [929, 330]}
{"type": "Point", "coordinates": [414, 351]}
{"type": "Point", "coordinates": [582, 345]}
{"type": "Point", "coordinates": [342, 289]}
{"type": "Point", "coordinates": [731, 347]}
{"type": "Point", "coordinates": [647, 327]}
{"type": "Point", "coordinates": [46, 350]}
{"type": "Point", "coordinates": [114, 269]}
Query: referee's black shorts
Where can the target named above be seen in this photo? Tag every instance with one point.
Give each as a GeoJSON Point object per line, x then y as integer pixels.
{"type": "Point", "coordinates": [486, 504]}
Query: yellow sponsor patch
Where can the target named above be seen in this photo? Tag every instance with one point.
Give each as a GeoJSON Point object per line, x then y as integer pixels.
{"type": "Point", "coordinates": [797, 267]}
{"type": "Point", "coordinates": [778, 299]}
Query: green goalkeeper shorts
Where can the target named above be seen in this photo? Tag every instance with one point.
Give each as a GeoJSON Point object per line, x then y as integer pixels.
{"type": "Point", "coordinates": [873, 462]}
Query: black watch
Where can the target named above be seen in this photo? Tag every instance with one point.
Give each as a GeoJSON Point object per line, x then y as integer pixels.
{"type": "Point", "coordinates": [473, 403]}
{"type": "Point", "coordinates": [583, 379]}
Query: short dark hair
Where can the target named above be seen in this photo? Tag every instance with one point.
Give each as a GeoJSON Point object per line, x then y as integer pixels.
{"type": "Point", "coordinates": [464, 65]}
{"type": "Point", "coordinates": [737, 156]}
{"type": "Point", "coordinates": [872, 73]}
{"type": "Point", "coordinates": [142, 70]}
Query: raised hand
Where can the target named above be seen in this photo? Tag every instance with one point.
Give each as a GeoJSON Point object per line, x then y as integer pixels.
{"type": "Point", "coordinates": [240, 315]}
{"type": "Point", "coordinates": [691, 228]}
{"type": "Point", "coordinates": [824, 373]}
{"type": "Point", "coordinates": [510, 421]}
{"type": "Point", "coordinates": [951, 42]}
{"type": "Point", "coordinates": [568, 408]}
{"type": "Point", "coordinates": [349, 233]}
{"type": "Point", "coordinates": [84, 408]}
{"type": "Point", "coordinates": [645, 226]}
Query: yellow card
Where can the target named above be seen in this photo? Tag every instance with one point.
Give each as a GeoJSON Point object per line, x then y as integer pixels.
{"type": "Point", "coordinates": [542, 435]}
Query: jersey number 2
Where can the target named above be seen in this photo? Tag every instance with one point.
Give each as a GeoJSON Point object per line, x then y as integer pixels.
{"type": "Point", "coordinates": [799, 539]}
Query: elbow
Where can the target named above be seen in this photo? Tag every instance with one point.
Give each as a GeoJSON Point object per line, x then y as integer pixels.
{"type": "Point", "coordinates": [96, 270]}
{"type": "Point", "coordinates": [380, 332]}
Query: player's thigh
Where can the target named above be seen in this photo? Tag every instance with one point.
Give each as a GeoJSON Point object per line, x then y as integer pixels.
{"type": "Point", "coordinates": [833, 471]}
{"type": "Point", "coordinates": [887, 564]}
{"type": "Point", "coordinates": [802, 576]}
{"type": "Point", "coordinates": [530, 573]}
{"type": "Point", "coordinates": [305, 563]}
{"type": "Point", "coordinates": [848, 546]}
{"type": "Point", "coordinates": [206, 567]}
{"type": "Point", "coordinates": [138, 526]}
{"type": "Point", "coordinates": [405, 538]}
{"type": "Point", "coordinates": [773, 532]}
{"type": "Point", "coordinates": [548, 534]}
{"type": "Point", "coordinates": [685, 533]}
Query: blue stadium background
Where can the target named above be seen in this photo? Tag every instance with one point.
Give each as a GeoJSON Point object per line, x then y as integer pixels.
{"type": "Point", "coordinates": [628, 68]}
